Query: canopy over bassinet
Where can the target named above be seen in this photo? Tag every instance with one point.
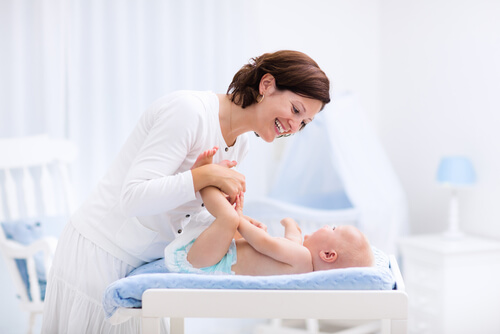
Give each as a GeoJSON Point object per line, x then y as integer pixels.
{"type": "Point", "coordinates": [335, 171]}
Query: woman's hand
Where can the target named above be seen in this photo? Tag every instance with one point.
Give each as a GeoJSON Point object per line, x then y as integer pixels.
{"type": "Point", "coordinates": [229, 181]}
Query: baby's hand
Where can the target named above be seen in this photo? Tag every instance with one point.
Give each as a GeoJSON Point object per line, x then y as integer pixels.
{"type": "Point", "coordinates": [238, 204]}
{"type": "Point", "coordinates": [257, 223]}
{"type": "Point", "coordinates": [239, 208]}
{"type": "Point", "coordinates": [290, 222]}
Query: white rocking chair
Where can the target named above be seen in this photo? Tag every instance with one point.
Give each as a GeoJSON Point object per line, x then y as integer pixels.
{"type": "Point", "coordinates": [34, 183]}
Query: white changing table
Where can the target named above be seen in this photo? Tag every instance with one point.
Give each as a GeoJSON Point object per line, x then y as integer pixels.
{"type": "Point", "coordinates": [388, 306]}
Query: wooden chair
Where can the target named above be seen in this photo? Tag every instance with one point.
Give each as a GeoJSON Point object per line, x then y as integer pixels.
{"type": "Point", "coordinates": [34, 183]}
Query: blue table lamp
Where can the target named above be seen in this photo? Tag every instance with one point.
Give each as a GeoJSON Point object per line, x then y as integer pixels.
{"type": "Point", "coordinates": [455, 172]}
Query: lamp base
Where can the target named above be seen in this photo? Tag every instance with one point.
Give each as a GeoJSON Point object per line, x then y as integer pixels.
{"type": "Point", "coordinates": [453, 231]}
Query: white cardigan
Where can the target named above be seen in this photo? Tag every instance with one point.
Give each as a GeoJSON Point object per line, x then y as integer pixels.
{"type": "Point", "coordinates": [147, 198]}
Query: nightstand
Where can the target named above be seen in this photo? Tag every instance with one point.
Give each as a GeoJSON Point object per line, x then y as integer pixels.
{"type": "Point", "coordinates": [453, 286]}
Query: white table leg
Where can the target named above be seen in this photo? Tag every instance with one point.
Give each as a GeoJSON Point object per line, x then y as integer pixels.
{"type": "Point", "coordinates": [176, 325]}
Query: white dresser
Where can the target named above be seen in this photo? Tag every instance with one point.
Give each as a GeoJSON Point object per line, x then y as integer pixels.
{"type": "Point", "coordinates": [453, 286]}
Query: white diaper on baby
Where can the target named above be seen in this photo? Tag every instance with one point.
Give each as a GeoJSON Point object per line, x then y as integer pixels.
{"type": "Point", "coordinates": [176, 256]}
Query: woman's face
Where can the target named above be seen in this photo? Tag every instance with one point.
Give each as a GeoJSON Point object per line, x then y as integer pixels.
{"type": "Point", "coordinates": [283, 112]}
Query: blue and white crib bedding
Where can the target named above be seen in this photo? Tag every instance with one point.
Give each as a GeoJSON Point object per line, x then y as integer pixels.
{"type": "Point", "coordinates": [127, 292]}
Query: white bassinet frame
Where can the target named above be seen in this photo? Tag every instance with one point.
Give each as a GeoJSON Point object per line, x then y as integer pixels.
{"type": "Point", "coordinates": [388, 306]}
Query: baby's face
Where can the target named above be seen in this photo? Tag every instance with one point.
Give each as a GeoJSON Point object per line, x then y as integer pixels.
{"type": "Point", "coordinates": [330, 235]}
{"type": "Point", "coordinates": [326, 234]}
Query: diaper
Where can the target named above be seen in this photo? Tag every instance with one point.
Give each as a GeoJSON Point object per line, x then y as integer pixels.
{"type": "Point", "coordinates": [176, 256]}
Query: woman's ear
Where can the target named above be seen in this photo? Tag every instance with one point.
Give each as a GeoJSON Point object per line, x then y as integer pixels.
{"type": "Point", "coordinates": [329, 256]}
{"type": "Point", "coordinates": [267, 84]}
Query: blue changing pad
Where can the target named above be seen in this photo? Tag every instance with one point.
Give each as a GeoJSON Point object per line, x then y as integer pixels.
{"type": "Point", "coordinates": [127, 292]}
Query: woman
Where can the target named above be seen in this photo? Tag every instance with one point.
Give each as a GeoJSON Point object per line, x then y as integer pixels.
{"type": "Point", "coordinates": [150, 194]}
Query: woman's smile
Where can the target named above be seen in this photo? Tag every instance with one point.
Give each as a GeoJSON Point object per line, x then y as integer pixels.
{"type": "Point", "coordinates": [279, 127]}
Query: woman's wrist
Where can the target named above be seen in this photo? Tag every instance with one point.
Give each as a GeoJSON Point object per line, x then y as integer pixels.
{"type": "Point", "coordinates": [202, 177]}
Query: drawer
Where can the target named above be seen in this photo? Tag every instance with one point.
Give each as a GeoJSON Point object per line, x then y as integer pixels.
{"type": "Point", "coordinates": [423, 275]}
{"type": "Point", "coordinates": [421, 321]}
{"type": "Point", "coordinates": [424, 299]}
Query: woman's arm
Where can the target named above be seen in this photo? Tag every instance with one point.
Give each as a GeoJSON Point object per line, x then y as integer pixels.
{"type": "Point", "coordinates": [154, 153]}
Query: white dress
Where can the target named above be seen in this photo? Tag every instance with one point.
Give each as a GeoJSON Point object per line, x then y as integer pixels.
{"type": "Point", "coordinates": [74, 294]}
{"type": "Point", "coordinates": [145, 200]}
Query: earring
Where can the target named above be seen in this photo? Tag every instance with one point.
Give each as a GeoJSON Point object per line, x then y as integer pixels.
{"type": "Point", "coordinates": [259, 101]}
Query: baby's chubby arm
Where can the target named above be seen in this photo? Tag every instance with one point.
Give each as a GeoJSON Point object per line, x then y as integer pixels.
{"type": "Point", "coordinates": [281, 249]}
{"type": "Point", "coordinates": [254, 222]}
{"type": "Point", "coordinates": [240, 199]}
{"type": "Point", "coordinates": [292, 230]}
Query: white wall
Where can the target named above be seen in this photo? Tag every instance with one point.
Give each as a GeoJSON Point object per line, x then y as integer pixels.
{"type": "Point", "coordinates": [342, 36]}
{"type": "Point", "coordinates": [440, 88]}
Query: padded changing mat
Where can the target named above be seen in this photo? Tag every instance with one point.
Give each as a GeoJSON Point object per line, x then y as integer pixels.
{"type": "Point", "coordinates": [127, 292]}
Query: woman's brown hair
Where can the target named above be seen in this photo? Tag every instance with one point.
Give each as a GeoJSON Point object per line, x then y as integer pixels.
{"type": "Point", "coordinates": [292, 70]}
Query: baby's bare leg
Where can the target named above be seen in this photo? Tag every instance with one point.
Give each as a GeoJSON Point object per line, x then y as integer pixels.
{"type": "Point", "coordinates": [213, 243]}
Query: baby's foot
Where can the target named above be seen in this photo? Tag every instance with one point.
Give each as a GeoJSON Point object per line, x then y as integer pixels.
{"type": "Point", "coordinates": [205, 157]}
{"type": "Point", "coordinates": [227, 163]}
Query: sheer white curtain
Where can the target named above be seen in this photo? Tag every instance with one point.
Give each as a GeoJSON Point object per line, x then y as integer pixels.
{"type": "Point", "coordinates": [87, 69]}
{"type": "Point", "coordinates": [32, 68]}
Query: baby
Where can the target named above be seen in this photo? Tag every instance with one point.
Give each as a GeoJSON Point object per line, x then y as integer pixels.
{"type": "Point", "coordinates": [215, 250]}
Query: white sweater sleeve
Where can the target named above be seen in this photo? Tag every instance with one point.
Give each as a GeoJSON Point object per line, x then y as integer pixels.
{"type": "Point", "coordinates": [154, 183]}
